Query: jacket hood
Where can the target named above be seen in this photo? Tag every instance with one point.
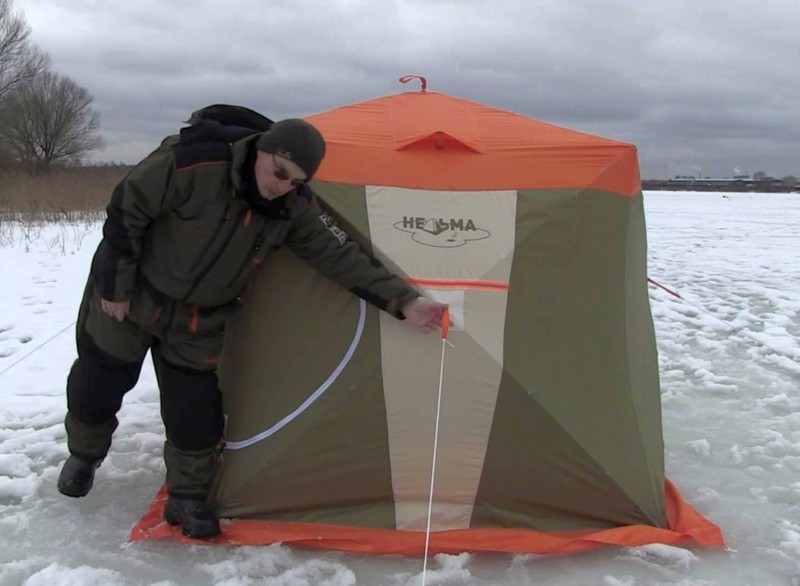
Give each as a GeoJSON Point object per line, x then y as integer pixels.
{"type": "Point", "coordinates": [211, 130]}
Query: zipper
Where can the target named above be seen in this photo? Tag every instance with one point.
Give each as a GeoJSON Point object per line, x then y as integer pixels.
{"type": "Point", "coordinates": [250, 257]}
{"type": "Point", "coordinates": [226, 219]}
{"type": "Point", "coordinates": [222, 250]}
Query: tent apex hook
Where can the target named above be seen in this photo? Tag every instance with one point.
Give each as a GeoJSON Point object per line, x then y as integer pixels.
{"type": "Point", "coordinates": [407, 78]}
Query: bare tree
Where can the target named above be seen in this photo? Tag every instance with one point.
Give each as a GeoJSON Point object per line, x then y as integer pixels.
{"type": "Point", "coordinates": [20, 61]}
{"type": "Point", "coordinates": [49, 120]}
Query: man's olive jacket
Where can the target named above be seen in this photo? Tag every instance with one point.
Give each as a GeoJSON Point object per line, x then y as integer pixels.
{"type": "Point", "coordinates": [179, 226]}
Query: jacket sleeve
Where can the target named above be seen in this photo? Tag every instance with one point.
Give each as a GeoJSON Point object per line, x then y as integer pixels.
{"type": "Point", "coordinates": [316, 239]}
{"type": "Point", "coordinates": [145, 193]}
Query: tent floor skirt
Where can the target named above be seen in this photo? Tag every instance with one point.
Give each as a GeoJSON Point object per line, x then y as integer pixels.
{"type": "Point", "coordinates": [685, 525]}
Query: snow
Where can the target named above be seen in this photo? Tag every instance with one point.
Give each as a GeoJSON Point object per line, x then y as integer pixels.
{"type": "Point", "coordinates": [730, 374]}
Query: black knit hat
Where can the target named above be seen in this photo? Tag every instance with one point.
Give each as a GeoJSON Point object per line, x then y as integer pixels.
{"type": "Point", "coordinates": [296, 140]}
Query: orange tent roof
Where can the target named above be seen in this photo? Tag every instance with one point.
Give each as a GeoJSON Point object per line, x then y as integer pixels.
{"type": "Point", "coordinates": [428, 140]}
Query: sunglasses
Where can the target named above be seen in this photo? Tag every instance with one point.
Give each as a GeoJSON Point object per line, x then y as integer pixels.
{"type": "Point", "coordinates": [281, 174]}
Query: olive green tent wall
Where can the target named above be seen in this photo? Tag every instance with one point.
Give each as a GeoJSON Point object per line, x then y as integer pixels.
{"type": "Point", "coordinates": [560, 431]}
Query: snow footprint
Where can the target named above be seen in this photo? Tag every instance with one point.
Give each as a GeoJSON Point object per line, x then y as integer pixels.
{"type": "Point", "coordinates": [16, 479]}
{"type": "Point", "coordinates": [44, 281]}
{"type": "Point", "coordinates": [6, 350]}
{"type": "Point", "coordinates": [34, 301]}
{"type": "Point", "coordinates": [40, 306]}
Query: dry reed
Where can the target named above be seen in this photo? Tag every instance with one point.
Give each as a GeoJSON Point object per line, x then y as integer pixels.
{"type": "Point", "coordinates": [72, 198]}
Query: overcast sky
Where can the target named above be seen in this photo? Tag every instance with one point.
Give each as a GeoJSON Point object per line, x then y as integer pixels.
{"type": "Point", "coordinates": [711, 85]}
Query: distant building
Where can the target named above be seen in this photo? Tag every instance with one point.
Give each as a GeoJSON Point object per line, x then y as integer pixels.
{"type": "Point", "coordinates": [737, 183]}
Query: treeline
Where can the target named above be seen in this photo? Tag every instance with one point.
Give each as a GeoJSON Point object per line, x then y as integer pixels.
{"type": "Point", "coordinates": [46, 118]}
{"type": "Point", "coordinates": [759, 184]}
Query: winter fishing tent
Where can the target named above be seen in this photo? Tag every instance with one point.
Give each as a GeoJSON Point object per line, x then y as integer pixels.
{"type": "Point", "coordinates": [550, 436]}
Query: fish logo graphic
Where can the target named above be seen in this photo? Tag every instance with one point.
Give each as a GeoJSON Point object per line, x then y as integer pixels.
{"type": "Point", "coordinates": [441, 232]}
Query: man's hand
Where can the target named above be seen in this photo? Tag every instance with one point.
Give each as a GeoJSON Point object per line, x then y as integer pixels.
{"type": "Point", "coordinates": [117, 309]}
{"type": "Point", "coordinates": [424, 313]}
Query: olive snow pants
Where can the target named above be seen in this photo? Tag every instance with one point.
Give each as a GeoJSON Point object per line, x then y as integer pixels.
{"type": "Point", "coordinates": [184, 343]}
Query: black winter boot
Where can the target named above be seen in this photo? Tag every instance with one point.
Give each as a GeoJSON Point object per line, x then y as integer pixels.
{"type": "Point", "coordinates": [77, 476]}
{"type": "Point", "coordinates": [194, 517]}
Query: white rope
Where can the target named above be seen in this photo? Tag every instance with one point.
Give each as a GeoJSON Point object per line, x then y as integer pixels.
{"type": "Point", "coordinates": [433, 465]}
{"type": "Point", "coordinates": [39, 347]}
{"type": "Point", "coordinates": [734, 328]}
{"type": "Point", "coordinates": [741, 330]}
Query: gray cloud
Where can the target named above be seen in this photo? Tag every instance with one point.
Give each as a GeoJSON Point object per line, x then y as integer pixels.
{"type": "Point", "coordinates": [709, 84]}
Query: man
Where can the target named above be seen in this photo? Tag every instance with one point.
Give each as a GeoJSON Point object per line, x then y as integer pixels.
{"type": "Point", "coordinates": [184, 232]}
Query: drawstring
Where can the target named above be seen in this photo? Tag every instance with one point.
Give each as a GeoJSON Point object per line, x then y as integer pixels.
{"type": "Point", "coordinates": [445, 329]}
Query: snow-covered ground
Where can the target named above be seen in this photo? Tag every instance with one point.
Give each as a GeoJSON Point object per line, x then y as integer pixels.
{"type": "Point", "coordinates": [731, 396]}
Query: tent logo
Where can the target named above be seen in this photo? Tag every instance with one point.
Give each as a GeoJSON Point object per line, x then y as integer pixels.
{"type": "Point", "coordinates": [440, 232]}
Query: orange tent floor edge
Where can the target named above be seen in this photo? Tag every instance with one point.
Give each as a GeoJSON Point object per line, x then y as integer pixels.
{"type": "Point", "coordinates": [685, 525]}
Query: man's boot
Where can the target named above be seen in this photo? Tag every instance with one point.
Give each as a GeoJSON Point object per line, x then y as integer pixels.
{"type": "Point", "coordinates": [194, 517]}
{"type": "Point", "coordinates": [88, 445]}
{"type": "Point", "coordinates": [189, 475]}
{"type": "Point", "coordinates": [77, 476]}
